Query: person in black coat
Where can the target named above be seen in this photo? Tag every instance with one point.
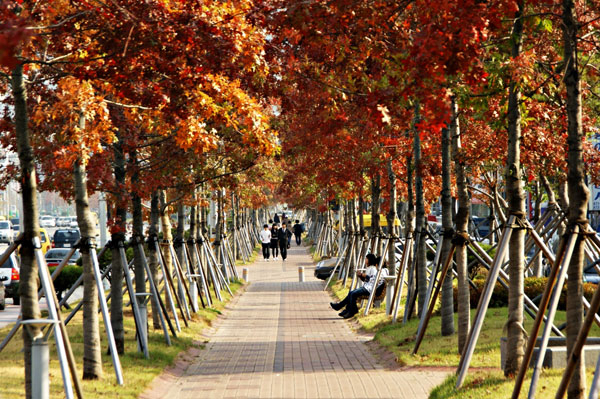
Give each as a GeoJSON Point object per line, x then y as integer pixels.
{"type": "Point", "coordinates": [283, 241]}
{"type": "Point", "coordinates": [298, 232]}
{"type": "Point", "coordinates": [275, 241]}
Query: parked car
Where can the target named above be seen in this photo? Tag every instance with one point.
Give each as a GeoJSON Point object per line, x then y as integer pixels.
{"type": "Point", "coordinates": [6, 232]}
{"type": "Point", "coordinates": [45, 240]}
{"type": "Point", "coordinates": [2, 294]}
{"type": "Point", "coordinates": [16, 222]}
{"type": "Point", "coordinates": [73, 222]}
{"type": "Point", "coordinates": [9, 273]}
{"type": "Point", "coordinates": [324, 268]}
{"type": "Point", "coordinates": [63, 221]}
{"type": "Point", "coordinates": [56, 255]}
{"type": "Point", "coordinates": [47, 221]}
{"type": "Point", "coordinates": [65, 238]}
{"type": "Point", "coordinates": [590, 274]}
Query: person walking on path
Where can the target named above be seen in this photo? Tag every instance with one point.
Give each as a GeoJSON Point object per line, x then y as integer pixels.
{"type": "Point", "coordinates": [275, 241]}
{"type": "Point", "coordinates": [282, 238]}
{"type": "Point", "coordinates": [368, 276]}
{"type": "Point", "coordinates": [276, 218]}
{"type": "Point", "coordinates": [265, 240]}
{"type": "Point", "coordinates": [298, 232]}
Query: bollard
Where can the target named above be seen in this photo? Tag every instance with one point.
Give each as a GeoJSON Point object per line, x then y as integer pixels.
{"type": "Point", "coordinates": [301, 274]}
{"type": "Point", "coordinates": [194, 294]}
{"type": "Point", "coordinates": [245, 274]}
{"type": "Point", "coordinates": [40, 382]}
{"type": "Point", "coordinates": [388, 298]}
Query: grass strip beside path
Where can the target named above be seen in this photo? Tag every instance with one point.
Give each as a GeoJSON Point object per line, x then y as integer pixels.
{"type": "Point", "coordinates": [138, 372]}
{"type": "Point", "coordinates": [485, 378]}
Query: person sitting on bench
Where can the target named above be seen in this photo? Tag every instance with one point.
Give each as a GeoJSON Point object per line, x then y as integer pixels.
{"type": "Point", "coordinates": [368, 276]}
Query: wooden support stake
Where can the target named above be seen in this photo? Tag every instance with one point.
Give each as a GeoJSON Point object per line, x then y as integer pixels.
{"type": "Point", "coordinates": [538, 320]}
{"type": "Point", "coordinates": [425, 320]}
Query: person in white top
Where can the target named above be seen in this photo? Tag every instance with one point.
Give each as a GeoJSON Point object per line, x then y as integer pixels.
{"type": "Point", "coordinates": [265, 240]}
{"type": "Point", "coordinates": [368, 276]}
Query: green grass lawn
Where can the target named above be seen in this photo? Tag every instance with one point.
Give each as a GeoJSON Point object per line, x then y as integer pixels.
{"type": "Point", "coordinates": [485, 378]}
{"type": "Point", "coordinates": [138, 372]}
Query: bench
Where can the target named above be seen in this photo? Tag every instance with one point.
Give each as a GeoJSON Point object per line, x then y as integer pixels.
{"type": "Point", "coordinates": [379, 294]}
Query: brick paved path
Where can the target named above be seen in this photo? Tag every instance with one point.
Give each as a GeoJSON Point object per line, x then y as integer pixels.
{"type": "Point", "coordinates": [281, 339]}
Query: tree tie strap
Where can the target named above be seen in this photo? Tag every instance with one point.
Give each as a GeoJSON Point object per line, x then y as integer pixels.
{"type": "Point", "coordinates": [448, 233]}
{"type": "Point", "coordinates": [521, 222]}
{"type": "Point", "coordinates": [461, 238]}
{"type": "Point", "coordinates": [584, 228]}
{"type": "Point", "coordinates": [519, 325]}
{"type": "Point", "coordinates": [136, 239]}
{"type": "Point", "coordinates": [86, 243]}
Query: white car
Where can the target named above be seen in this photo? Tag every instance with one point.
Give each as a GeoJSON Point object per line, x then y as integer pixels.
{"type": "Point", "coordinates": [63, 221]}
{"type": "Point", "coordinates": [6, 232]}
{"type": "Point", "coordinates": [73, 222]}
{"type": "Point", "coordinates": [47, 221]}
{"type": "Point", "coordinates": [9, 277]}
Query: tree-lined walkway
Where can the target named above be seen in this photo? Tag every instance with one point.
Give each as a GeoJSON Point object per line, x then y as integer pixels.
{"type": "Point", "coordinates": [280, 339]}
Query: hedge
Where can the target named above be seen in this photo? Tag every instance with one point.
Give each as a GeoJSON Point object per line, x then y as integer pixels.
{"type": "Point", "coordinates": [533, 287]}
{"type": "Point", "coordinates": [67, 277]}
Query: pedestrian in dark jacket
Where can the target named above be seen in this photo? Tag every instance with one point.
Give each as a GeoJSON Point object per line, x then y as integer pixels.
{"type": "Point", "coordinates": [298, 232]}
{"type": "Point", "coordinates": [275, 241]}
{"type": "Point", "coordinates": [276, 218]}
{"type": "Point", "coordinates": [283, 242]}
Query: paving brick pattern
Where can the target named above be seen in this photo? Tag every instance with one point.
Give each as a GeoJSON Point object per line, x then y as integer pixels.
{"type": "Point", "coordinates": [281, 339]}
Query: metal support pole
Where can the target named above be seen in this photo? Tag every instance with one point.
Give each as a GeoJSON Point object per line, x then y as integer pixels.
{"type": "Point", "coordinates": [58, 332]}
{"type": "Point", "coordinates": [484, 301]}
{"type": "Point", "coordinates": [169, 277]}
{"type": "Point", "coordinates": [167, 284]}
{"type": "Point", "coordinates": [162, 312]}
{"type": "Point", "coordinates": [562, 275]}
{"type": "Point", "coordinates": [203, 279]}
{"type": "Point", "coordinates": [538, 321]}
{"type": "Point", "coordinates": [106, 316]}
{"type": "Point", "coordinates": [134, 303]}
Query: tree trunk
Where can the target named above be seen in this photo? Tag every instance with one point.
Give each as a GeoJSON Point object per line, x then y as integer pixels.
{"type": "Point", "coordinates": [563, 201]}
{"type": "Point", "coordinates": [165, 224]}
{"type": "Point", "coordinates": [391, 218]}
{"type": "Point", "coordinates": [462, 222]}
{"type": "Point", "coordinates": [361, 220]}
{"type": "Point", "coordinates": [180, 236]}
{"type": "Point", "coordinates": [138, 233]}
{"type": "Point", "coordinates": [446, 199]}
{"type": "Point", "coordinates": [234, 227]}
{"type": "Point", "coordinates": [516, 201]}
{"type": "Point", "coordinates": [578, 191]}
{"type": "Point", "coordinates": [538, 261]}
{"type": "Point", "coordinates": [375, 199]}
{"type": "Point", "coordinates": [421, 227]}
{"type": "Point", "coordinates": [116, 297]}
{"type": "Point", "coordinates": [410, 229]}
{"type": "Point", "coordinates": [549, 191]}
{"type": "Point", "coordinates": [193, 224]}
{"type": "Point", "coordinates": [153, 255]}
{"type": "Point", "coordinates": [92, 357]}
{"type": "Point", "coordinates": [28, 285]}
